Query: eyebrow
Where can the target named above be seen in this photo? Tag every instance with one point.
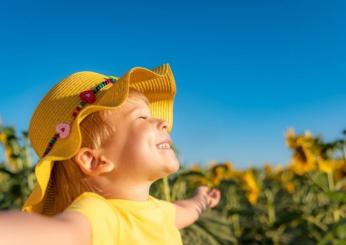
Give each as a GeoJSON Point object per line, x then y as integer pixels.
{"type": "Point", "coordinates": [130, 112]}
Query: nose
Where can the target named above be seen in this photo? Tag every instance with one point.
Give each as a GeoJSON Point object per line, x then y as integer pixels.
{"type": "Point", "coordinates": [163, 125]}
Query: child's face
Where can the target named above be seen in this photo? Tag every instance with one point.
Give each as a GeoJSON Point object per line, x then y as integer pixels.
{"type": "Point", "coordinates": [135, 146]}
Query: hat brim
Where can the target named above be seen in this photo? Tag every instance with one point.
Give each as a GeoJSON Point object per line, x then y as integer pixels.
{"type": "Point", "coordinates": [158, 85]}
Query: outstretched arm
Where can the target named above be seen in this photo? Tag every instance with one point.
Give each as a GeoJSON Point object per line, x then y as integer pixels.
{"type": "Point", "coordinates": [189, 210]}
{"type": "Point", "coordinates": [24, 228]}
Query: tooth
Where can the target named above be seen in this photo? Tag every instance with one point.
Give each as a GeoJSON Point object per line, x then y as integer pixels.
{"type": "Point", "coordinates": [164, 146]}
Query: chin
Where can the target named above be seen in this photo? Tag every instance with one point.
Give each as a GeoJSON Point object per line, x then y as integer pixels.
{"type": "Point", "coordinates": [173, 167]}
{"type": "Point", "coordinates": [167, 170]}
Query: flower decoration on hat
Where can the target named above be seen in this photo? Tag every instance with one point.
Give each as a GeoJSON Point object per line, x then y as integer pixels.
{"type": "Point", "coordinates": [63, 130]}
{"type": "Point", "coordinates": [86, 97]}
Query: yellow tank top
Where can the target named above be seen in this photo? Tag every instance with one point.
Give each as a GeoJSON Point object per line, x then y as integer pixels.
{"type": "Point", "coordinates": [128, 222]}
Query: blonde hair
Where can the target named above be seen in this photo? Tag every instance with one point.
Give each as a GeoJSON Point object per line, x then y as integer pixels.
{"type": "Point", "coordinates": [67, 181]}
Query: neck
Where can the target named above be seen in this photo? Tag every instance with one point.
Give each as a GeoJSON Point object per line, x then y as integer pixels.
{"type": "Point", "coordinates": [124, 190]}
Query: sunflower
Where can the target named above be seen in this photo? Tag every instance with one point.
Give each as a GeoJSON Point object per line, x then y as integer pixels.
{"type": "Point", "coordinates": [325, 166]}
{"type": "Point", "coordinates": [251, 187]}
{"type": "Point", "coordinates": [303, 159]}
{"type": "Point", "coordinates": [220, 172]}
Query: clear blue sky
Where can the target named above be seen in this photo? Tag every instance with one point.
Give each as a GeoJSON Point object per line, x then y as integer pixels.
{"type": "Point", "coordinates": [245, 70]}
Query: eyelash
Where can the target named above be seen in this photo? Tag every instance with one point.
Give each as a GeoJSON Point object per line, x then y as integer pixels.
{"type": "Point", "coordinates": [143, 117]}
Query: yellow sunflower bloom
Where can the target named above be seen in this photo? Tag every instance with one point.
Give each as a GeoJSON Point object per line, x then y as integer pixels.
{"type": "Point", "coordinates": [251, 187]}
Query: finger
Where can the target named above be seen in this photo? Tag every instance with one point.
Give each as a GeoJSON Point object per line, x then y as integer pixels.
{"type": "Point", "coordinates": [213, 203]}
{"type": "Point", "coordinates": [216, 196]}
{"type": "Point", "coordinates": [214, 193]}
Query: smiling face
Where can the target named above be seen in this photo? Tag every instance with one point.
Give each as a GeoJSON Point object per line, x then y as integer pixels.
{"type": "Point", "coordinates": [140, 147]}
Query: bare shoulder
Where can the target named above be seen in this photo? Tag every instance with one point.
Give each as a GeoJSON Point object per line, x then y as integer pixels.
{"type": "Point", "coordinates": [77, 225]}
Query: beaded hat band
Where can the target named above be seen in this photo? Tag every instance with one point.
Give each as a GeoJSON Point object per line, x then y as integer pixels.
{"type": "Point", "coordinates": [86, 97]}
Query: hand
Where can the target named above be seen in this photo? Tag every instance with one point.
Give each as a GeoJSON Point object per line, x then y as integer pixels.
{"type": "Point", "coordinates": [209, 197]}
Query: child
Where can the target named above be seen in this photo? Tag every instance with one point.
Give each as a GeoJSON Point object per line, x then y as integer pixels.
{"type": "Point", "coordinates": [102, 142]}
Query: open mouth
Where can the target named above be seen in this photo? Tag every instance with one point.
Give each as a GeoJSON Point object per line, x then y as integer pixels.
{"type": "Point", "coordinates": [164, 146]}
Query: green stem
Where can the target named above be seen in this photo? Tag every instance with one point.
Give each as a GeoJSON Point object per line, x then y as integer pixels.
{"type": "Point", "coordinates": [166, 189]}
{"type": "Point", "coordinates": [331, 181]}
{"type": "Point", "coordinates": [331, 185]}
{"type": "Point", "coordinates": [270, 206]}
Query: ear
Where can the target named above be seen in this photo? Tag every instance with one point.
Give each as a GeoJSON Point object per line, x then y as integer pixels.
{"type": "Point", "coordinates": [91, 162]}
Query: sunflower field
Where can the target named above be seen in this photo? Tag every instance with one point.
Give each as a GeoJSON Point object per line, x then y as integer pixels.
{"type": "Point", "coordinates": [303, 202]}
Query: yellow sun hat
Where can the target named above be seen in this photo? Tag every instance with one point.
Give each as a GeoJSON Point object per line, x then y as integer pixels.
{"type": "Point", "coordinates": [54, 127]}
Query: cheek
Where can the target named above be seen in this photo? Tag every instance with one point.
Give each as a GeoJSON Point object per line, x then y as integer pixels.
{"type": "Point", "coordinates": [140, 147]}
{"type": "Point", "coordinates": [137, 147]}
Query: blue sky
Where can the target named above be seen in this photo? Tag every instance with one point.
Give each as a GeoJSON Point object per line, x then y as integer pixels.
{"type": "Point", "coordinates": [246, 71]}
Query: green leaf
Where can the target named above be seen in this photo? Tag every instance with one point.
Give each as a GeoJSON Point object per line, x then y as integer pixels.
{"type": "Point", "coordinates": [337, 196]}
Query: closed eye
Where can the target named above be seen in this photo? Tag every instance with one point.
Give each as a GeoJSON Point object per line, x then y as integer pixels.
{"type": "Point", "coordinates": [143, 117]}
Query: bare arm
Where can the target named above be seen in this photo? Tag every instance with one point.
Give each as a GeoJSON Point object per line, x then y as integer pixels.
{"type": "Point", "coordinates": [23, 228]}
{"type": "Point", "coordinates": [189, 210]}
